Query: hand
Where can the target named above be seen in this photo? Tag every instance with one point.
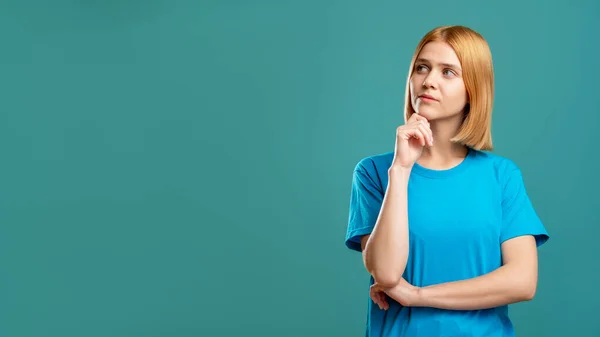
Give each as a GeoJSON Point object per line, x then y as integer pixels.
{"type": "Point", "coordinates": [404, 293]}
{"type": "Point", "coordinates": [410, 140]}
{"type": "Point", "coordinates": [378, 296]}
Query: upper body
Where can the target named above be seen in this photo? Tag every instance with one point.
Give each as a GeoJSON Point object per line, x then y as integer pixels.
{"type": "Point", "coordinates": [458, 220]}
{"type": "Point", "coordinates": [446, 228]}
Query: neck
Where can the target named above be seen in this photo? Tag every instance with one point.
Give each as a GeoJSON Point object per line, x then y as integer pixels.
{"type": "Point", "coordinates": [444, 154]}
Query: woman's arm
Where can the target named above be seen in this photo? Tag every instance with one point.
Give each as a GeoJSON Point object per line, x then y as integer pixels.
{"type": "Point", "coordinates": [385, 250]}
{"type": "Point", "coordinates": [515, 281]}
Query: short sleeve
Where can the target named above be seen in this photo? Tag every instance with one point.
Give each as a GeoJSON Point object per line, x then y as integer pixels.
{"type": "Point", "coordinates": [518, 214]}
{"type": "Point", "coordinates": [366, 198]}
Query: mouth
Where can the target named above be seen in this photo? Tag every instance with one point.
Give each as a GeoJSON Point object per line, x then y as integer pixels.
{"type": "Point", "coordinates": [427, 97]}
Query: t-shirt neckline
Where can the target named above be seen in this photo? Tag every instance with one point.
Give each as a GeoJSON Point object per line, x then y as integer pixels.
{"type": "Point", "coordinates": [431, 173]}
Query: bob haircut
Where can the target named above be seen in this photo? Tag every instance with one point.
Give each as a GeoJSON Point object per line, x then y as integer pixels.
{"type": "Point", "coordinates": [478, 75]}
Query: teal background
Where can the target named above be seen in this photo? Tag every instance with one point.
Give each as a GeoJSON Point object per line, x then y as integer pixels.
{"type": "Point", "coordinates": [183, 168]}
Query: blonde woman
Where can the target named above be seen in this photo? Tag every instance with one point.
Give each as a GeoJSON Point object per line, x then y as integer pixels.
{"type": "Point", "coordinates": [446, 228]}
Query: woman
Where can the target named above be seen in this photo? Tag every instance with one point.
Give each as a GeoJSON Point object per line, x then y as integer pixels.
{"type": "Point", "coordinates": [446, 228]}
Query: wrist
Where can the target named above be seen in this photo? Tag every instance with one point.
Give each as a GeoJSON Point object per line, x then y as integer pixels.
{"type": "Point", "coordinates": [420, 297]}
{"type": "Point", "coordinates": [399, 173]}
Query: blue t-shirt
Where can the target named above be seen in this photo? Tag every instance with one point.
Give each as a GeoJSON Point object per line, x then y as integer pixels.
{"type": "Point", "coordinates": [457, 220]}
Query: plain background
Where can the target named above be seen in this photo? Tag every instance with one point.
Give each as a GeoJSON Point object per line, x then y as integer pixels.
{"type": "Point", "coordinates": [183, 168]}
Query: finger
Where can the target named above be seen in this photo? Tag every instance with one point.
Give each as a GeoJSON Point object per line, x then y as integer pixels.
{"type": "Point", "coordinates": [418, 134]}
{"type": "Point", "coordinates": [377, 287]}
{"type": "Point", "coordinates": [381, 300]}
{"type": "Point", "coordinates": [423, 121]}
{"type": "Point", "coordinates": [408, 132]}
{"type": "Point", "coordinates": [425, 128]}
{"type": "Point", "coordinates": [427, 133]}
{"type": "Point", "coordinates": [384, 301]}
{"type": "Point", "coordinates": [375, 297]}
{"type": "Point", "coordinates": [418, 117]}
{"type": "Point", "coordinates": [413, 117]}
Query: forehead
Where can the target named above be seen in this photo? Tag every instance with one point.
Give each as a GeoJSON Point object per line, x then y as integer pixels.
{"type": "Point", "coordinates": [439, 52]}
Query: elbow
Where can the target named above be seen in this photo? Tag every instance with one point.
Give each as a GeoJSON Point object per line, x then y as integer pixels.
{"type": "Point", "coordinates": [387, 280]}
{"type": "Point", "coordinates": [529, 293]}
{"type": "Point", "coordinates": [388, 274]}
{"type": "Point", "coordinates": [385, 277]}
{"type": "Point", "coordinates": [528, 290]}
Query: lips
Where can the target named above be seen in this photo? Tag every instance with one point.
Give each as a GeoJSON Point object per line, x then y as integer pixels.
{"type": "Point", "coordinates": [427, 97]}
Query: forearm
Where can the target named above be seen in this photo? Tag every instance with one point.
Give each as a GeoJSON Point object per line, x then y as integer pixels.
{"type": "Point", "coordinates": [505, 285]}
{"type": "Point", "coordinates": [386, 250]}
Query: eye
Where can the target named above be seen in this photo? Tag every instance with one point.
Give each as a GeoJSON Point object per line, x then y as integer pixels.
{"type": "Point", "coordinates": [421, 68]}
{"type": "Point", "coordinates": [449, 72]}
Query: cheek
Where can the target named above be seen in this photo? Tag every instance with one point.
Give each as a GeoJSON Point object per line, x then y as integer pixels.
{"type": "Point", "coordinates": [456, 93]}
{"type": "Point", "coordinates": [411, 89]}
{"type": "Point", "coordinates": [411, 84]}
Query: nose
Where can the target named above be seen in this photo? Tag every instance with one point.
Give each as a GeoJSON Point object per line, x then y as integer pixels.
{"type": "Point", "coordinates": [429, 81]}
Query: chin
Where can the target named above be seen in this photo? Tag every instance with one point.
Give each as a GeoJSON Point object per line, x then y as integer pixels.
{"type": "Point", "coordinates": [427, 113]}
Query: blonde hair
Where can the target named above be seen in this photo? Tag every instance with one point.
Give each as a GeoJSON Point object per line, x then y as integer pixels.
{"type": "Point", "coordinates": [478, 75]}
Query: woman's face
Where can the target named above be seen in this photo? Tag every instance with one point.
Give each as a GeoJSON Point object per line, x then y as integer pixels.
{"type": "Point", "coordinates": [437, 89]}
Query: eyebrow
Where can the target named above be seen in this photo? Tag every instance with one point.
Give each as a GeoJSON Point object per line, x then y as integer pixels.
{"type": "Point", "coordinates": [449, 65]}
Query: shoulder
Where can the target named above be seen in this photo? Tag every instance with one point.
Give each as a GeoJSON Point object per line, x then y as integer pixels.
{"type": "Point", "coordinates": [374, 168]}
{"type": "Point", "coordinates": [504, 170]}
{"type": "Point", "coordinates": [373, 164]}
{"type": "Point", "coordinates": [501, 166]}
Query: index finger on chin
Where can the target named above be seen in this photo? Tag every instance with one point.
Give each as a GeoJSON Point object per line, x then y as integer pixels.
{"type": "Point", "coordinates": [419, 117]}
